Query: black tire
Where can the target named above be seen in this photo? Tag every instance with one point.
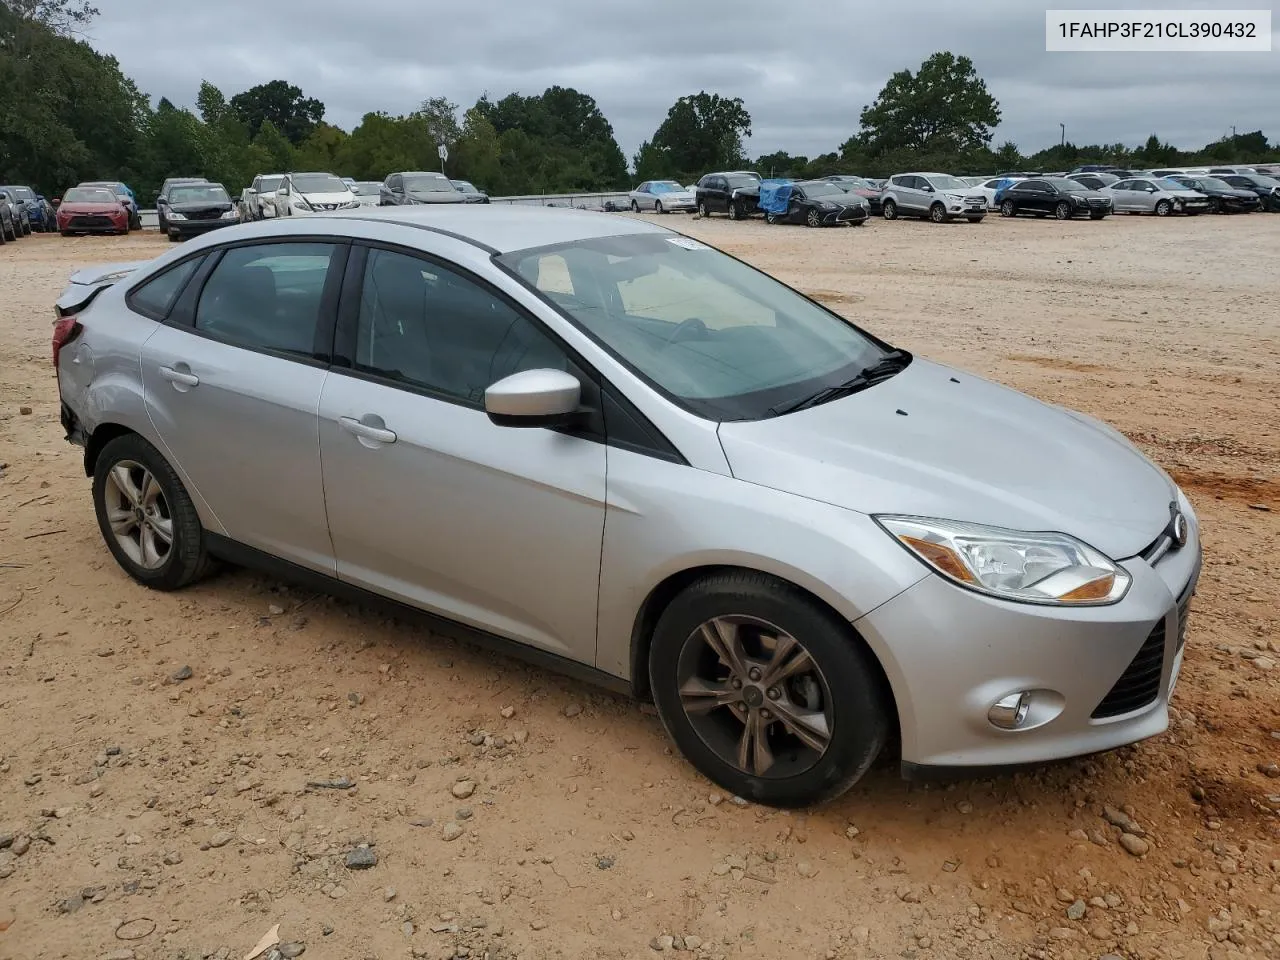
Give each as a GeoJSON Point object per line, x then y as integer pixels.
{"type": "Point", "coordinates": [186, 560]}
{"type": "Point", "coordinates": [770, 218]}
{"type": "Point", "coordinates": [813, 219]}
{"type": "Point", "coordinates": [1063, 211]}
{"type": "Point", "coordinates": [66, 233]}
{"type": "Point", "coordinates": [635, 206]}
{"type": "Point", "coordinates": [1215, 205]}
{"type": "Point", "coordinates": [1007, 209]}
{"type": "Point", "coordinates": [889, 210]}
{"type": "Point", "coordinates": [1164, 208]}
{"type": "Point", "coordinates": [1097, 216]}
{"type": "Point", "coordinates": [974, 219]}
{"type": "Point", "coordinates": [734, 211]}
{"type": "Point", "coordinates": [858, 717]}
{"type": "Point", "coordinates": [702, 209]}
{"type": "Point", "coordinates": [657, 207]}
{"type": "Point", "coordinates": [938, 213]}
{"type": "Point", "coordinates": [26, 227]}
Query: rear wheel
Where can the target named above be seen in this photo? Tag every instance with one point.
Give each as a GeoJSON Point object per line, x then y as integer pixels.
{"type": "Point", "coordinates": [771, 218]}
{"type": "Point", "coordinates": [767, 692]}
{"type": "Point", "coordinates": [1062, 211]}
{"type": "Point", "coordinates": [890, 210]}
{"type": "Point", "coordinates": [702, 209]}
{"type": "Point", "coordinates": [938, 213]}
{"type": "Point", "coordinates": [1164, 208]}
{"type": "Point", "coordinates": [1007, 209]}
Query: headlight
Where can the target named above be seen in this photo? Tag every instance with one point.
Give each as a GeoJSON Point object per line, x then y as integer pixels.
{"type": "Point", "coordinates": [351, 205]}
{"type": "Point", "coordinates": [1046, 568]}
{"type": "Point", "coordinates": [174, 215]}
{"type": "Point", "coordinates": [955, 197]}
{"type": "Point", "coordinates": [231, 215]}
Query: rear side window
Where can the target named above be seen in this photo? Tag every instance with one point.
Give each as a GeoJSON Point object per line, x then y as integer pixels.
{"type": "Point", "coordinates": [267, 296]}
{"type": "Point", "coordinates": [155, 297]}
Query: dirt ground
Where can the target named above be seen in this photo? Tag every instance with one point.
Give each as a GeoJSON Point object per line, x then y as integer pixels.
{"type": "Point", "coordinates": [513, 813]}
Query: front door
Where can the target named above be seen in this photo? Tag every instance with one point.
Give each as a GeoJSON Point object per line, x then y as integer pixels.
{"type": "Point", "coordinates": [232, 385]}
{"type": "Point", "coordinates": [431, 503]}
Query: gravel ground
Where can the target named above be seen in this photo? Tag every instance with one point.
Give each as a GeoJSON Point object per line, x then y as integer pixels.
{"type": "Point", "coordinates": [180, 773]}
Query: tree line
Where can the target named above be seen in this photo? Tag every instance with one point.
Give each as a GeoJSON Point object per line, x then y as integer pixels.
{"type": "Point", "coordinates": [68, 113]}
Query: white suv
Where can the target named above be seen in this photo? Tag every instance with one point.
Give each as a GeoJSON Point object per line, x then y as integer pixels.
{"type": "Point", "coordinates": [938, 196]}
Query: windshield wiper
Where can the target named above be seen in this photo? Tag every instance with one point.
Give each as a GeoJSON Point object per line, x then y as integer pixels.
{"type": "Point", "coordinates": [891, 363]}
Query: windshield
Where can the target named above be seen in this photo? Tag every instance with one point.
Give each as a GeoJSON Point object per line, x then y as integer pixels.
{"type": "Point", "coordinates": [270, 184]}
{"type": "Point", "coordinates": [1213, 183]}
{"type": "Point", "coordinates": [723, 339]}
{"type": "Point", "coordinates": [1164, 183]}
{"type": "Point", "coordinates": [89, 195]}
{"type": "Point", "coordinates": [368, 189]}
{"type": "Point", "coordinates": [464, 186]}
{"type": "Point", "coordinates": [199, 193]}
{"type": "Point", "coordinates": [944, 182]}
{"type": "Point", "coordinates": [822, 190]}
{"type": "Point", "coordinates": [666, 186]}
{"type": "Point", "coordinates": [23, 193]}
{"type": "Point", "coordinates": [1068, 186]}
{"type": "Point", "coordinates": [429, 184]}
{"type": "Point", "coordinates": [737, 180]}
{"type": "Point", "coordinates": [1262, 181]}
{"type": "Point", "coordinates": [318, 183]}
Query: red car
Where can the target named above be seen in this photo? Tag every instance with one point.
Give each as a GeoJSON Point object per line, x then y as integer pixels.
{"type": "Point", "coordinates": [91, 210]}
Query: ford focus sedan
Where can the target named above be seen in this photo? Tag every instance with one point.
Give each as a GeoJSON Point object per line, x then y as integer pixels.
{"type": "Point", "coordinates": [620, 452]}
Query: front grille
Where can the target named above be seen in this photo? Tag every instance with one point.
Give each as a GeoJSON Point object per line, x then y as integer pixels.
{"type": "Point", "coordinates": [85, 221]}
{"type": "Point", "coordinates": [205, 215]}
{"type": "Point", "coordinates": [1139, 685]}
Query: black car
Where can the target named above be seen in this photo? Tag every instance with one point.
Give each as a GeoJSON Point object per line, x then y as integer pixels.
{"type": "Point", "coordinates": [162, 199]}
{"type": "Point", "coordinates": [195, 208]}
{"type": "Point", "coordinates": [402, 189]}
{"type": "Point", "coordinates": [819, 203]}
{"type": "Point", "coordinates": [735, 193]}
{"type": "Point", "coordinates": [1063, 198]}
{"type": "Point", "coordinates": [1267, 189]}
{"type": "Point", "coordinates": [1223, 197]}
{"type": "Point", "coordinates": [469, 191]}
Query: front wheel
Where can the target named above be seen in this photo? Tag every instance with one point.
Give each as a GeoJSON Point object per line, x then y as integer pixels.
{"type": "Point", "coordinates": [938, 213]}
{"type": "Point", "coordinates": [1007, 209]}
{"type": "Point", "coordinates": [813, 219]}
{"type": "Point", "coordinates": [657, 207]}
{"type": "Point", "coordinates": [767, 692]}
{"type": "Point", "coordinates": [1215, 205]}
{"type": "Point", "coordinates": [734, 211]}
{"type": "Point", "coordinates": [146, 517]}
{"type": "Point", "coordinates": [770, 218]}
{"type": "Point", "coordinates": [1062, 211]}
{"type": "Point", "coordinates": [889, 210]}
{"type": "Point", "coordinates": [1164, 208]}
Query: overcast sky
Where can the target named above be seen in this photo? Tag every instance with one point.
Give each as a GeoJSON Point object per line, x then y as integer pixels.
{"type": "Point", "coordinates": [804, 68]}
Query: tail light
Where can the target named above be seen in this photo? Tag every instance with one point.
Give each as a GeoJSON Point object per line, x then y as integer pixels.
{"type": "Point", "coordinates": [65, 331]}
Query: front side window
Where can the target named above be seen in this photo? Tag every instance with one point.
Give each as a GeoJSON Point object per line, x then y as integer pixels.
{"type": "Point", "coordinates": [155, 297]}
{"type": "Point", "coordinates": [723, 339]}
{"type": "Point", "coordinates": [267, 296]}
{"type": "Point", "coordinates": [428, 326]}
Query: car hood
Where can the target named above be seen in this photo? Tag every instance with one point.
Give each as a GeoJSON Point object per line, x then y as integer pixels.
{"type": "Point", "coordinates": [334, 197]}
{"type": "Point", "coordinates": [935, 442]}
{"type": "Point", "coordinates": [1186, 194]}
{"type": "Point", "coordinates": [436, 196]}
{"type": "Point", "coordinates": [684, 196]}
{"type": "Point", "coordinates": [194, 205]}
{"type": "Point", "coordinates": [81, 207]}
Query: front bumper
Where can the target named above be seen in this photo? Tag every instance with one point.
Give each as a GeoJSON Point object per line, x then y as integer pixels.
{"type": "Point", "coordinates": [1102, 676]}
{"type": "Point", "coordinates": [854, 214]}
{"type": "Point", "coordinates": [195, 228]}
{"type": "Point", "coordinates": [88, 223]}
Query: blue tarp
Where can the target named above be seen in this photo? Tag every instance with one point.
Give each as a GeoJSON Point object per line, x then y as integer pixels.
{"type": "Point", "coordinates": [1004, 185]}
{"type": "Point", "coordinates": [775, 195]}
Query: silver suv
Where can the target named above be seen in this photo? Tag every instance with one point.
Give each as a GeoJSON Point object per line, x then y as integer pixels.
{"type": "Point", "coordinates": [620, 452]}
{"type": "Point", "coordinates": [938, 196]}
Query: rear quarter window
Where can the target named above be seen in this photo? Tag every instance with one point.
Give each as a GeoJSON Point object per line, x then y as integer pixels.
{"type": "Point", "coordinates": [155, 298]}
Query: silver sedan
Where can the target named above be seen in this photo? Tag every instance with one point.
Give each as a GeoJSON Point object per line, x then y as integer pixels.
{"type": "Point", "coordinates": [622, 453]}
{"type": "Point", "coordinates": [662, 196]}
{"type": "Point", "coordinates": [1155, 195]}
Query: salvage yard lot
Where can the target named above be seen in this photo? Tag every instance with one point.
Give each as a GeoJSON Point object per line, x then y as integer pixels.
{"type": "Point", "coordinates": [582, 835]}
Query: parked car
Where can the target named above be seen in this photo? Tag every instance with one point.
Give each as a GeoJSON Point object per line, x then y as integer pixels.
{"type": "Point", "coordinates": [1158, 195]}
{"type": "Point", "coordinates": [470, 191]}
{"type": "Point", "coordinates": [815, 203]}
{"type": "Point", "coordinates": [418, 187]}
{"type": "Point", "coordinates": [162, 199]}
{"type": "Point", "coordinates": [1223, 197]}
{"type": "Point", "coordinates": [92, 210]}
{"type": "Point", "coordinates": [126, 195]}
{"type": "Point", "coordinates": [1094, 181]}
{"type": "Point", "coordinates": [1219, 171]}
{"type": "Point", "coordinates": [368, 192]}
{"type": "Point", "coordinates": [197, 208]}
{"type": "Point", "coordinates": [14, 214]}
{"type": "Point", "coordinates": [259, 200]}
{"type": "Point", "coordinates": [304, 194]}
{"type": "Point", "coordinates": [938, 196]}
{"type": "Point", "coordinates": [734, 193]}
{"type": "Point", "coordinates": [662, 196]}
{"type": "Point", "coordinates": [974, 181]}
{"type": "Point", "coordinates": [799, 574]}
{"type": "Point", "coordinates": [350, 182]}
{"type": "Point", "coordinates": [859, 187]}
{"type": "Point", "coordinates": [36, 212]}
{"type": "Point", "coordinates": [1267, 189]}
{"type": "Point", "coordinates": [991, 190]}
{"type": "Point", "coordinates": [1059, 196]}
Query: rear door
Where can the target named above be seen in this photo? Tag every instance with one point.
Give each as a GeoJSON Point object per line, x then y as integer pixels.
{"type": "Point", "coordinates": [232, 382]}
{"type": "Point", "coordinates": [1121, 195]}
{"type": "Point", "coordinates": [429, 501]}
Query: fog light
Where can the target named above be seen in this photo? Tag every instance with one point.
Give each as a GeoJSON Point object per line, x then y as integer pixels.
{"type": "Point", "coordinates": [1009, 713]}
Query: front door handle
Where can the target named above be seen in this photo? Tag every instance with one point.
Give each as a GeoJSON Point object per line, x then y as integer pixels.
{"type": "Point", "coordinates": [177, 377]}
{"type": "Point", "coordinates": [367, 431]}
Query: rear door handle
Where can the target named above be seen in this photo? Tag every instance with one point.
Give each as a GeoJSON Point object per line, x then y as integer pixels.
{"type": "Point", "coordinates": [183, 377]}
{"type": "Point", "coordinates": [367, 431]}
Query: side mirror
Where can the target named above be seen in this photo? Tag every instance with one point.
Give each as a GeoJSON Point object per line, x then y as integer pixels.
{"type": "Point", "coordinates": [928, 188]}
{"type": "Point", "coordinates": [533, 398]}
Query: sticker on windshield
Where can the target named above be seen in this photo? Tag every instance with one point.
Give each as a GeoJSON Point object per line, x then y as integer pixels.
{"type": "Point", "coordinates": [687, 243]}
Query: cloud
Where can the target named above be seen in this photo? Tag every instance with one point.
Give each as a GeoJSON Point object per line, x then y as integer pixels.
{"type": "Point", "coordinates": [804, 70]}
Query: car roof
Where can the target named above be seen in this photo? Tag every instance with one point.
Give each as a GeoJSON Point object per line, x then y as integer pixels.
{"type": "Point", "coordinates": [506, 227]}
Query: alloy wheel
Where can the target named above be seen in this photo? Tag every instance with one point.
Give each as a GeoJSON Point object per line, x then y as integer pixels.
{"type": "Point", "coordinates": [1062, 211]}
{"type": "Point", "coordinates": [889, 210]}
{"type": "Point", "coordinates": [139, 514]}
{"type": "Point", "coordinates": [1164, 208]}
{"type": "Point", "coordinates": [937, 213]}
{"type": "Point", "coordinates": [755, 696]}
{"type": "Point", "coordinates": [813, 219]}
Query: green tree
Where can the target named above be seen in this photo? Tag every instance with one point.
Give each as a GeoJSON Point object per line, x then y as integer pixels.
{"type": "Point", "coordinates": [283, 105]}
{"type": "Point", "coordinates": [1008, 157]}
{"type": "Point", "coordinates": [478, 156]}
{"type": "Point", "coordinates": [322, 150]}
{"type": "Point", "coordinates": [781, 164]}
{"type": "Point", "coordinates": [211, 102]}
{"type": "Point", "coordinates": [701, 132]}
{"type": "Point", "coordinates": [943, 107]}
{"type": "Point", "coordinates": [274, 145]}
{"type": "Point", "coordinates": [440, 114]}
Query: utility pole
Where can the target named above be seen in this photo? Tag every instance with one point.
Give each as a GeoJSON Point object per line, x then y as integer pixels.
{"type": "Point", "coordinates": [1064, 134]}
